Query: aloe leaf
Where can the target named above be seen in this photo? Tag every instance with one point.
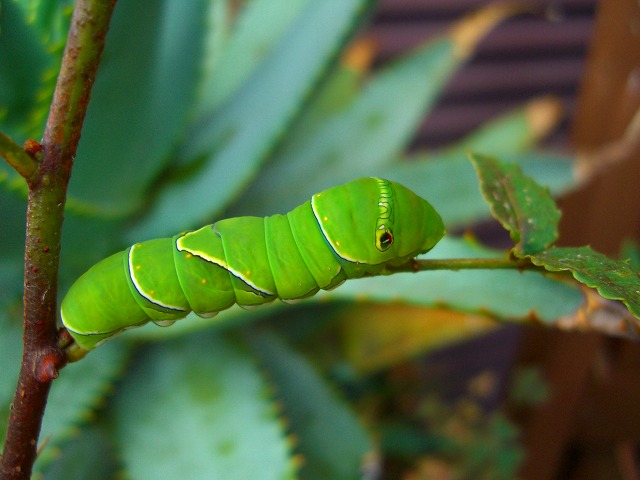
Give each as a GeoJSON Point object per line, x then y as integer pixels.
{"type": "Point", "coordinates": [139, 105]}
{"type": "Point", "coordinates": [330, 438]}
{"type": "Point", "coordinates": [370, 130]}
{"type": "Point", "coordinates": [210, 415]}
{"type": "Point", "coordinates": [260, 25]}
{"type": "Point", "coordinates": [88, 453]}
{"type": "Point", "coordinates": [25, 73]}
{"type": "Point", "coordinates": [233, 142]}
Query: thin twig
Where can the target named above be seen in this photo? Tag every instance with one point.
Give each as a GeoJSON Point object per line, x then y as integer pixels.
{"type": "Point", "coordinates": [42, 358]}
{"type": "Point", "coordinates": [590, 165]}
{"type": "Point", "coordinates": [464, 264]}
{"type": "Point", "coordinates": [474, 264]}
{"type": "Point", "coordinates": [17, 157]}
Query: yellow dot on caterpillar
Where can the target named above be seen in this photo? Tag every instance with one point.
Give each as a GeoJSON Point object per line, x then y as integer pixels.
{"type": "Point", "coordinates": [247, 273]}
{"type": "Point", "coordinates": [152, 292]}
{"type": "Point", "coordinates": [189, 255]}
{"type": "Point", "coordinates": [325, 219]}
{"type": "Point", "coordinates": [203, 281]}
{"type": "Point", "coordinates": [138, 267]}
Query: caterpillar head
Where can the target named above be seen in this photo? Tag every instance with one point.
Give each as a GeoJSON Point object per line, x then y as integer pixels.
{"type": "Point", "coordinates": [374, 221]}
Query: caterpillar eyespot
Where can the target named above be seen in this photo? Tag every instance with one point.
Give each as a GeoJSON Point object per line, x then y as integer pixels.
{"type": "Point", "coordinates": [344, 232]}
{"type": "Point", "coordinates": [384, 240]}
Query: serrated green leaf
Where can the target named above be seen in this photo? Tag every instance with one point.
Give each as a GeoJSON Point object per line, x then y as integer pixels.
{"type": "Point", "coordinates": [198, 408]}
{"type": "Point", "coordinates": [330, 438]}
{"type": "Point", "coordinates": [139, 104]}
{"type": "Point", "coordinates": [77, 393]}
{"type": "Point", "coordinates": [235, 140]}
{"type": "Point", "coordinates": [613, 279]}
{"type": "Point", "coordinates": [522, 206]}
{"type": "Point", "coordinates": [507, 294]}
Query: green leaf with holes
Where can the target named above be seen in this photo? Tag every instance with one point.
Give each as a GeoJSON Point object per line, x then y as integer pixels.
{"type": "Point", "coordinates": [523, 207]}
{"type": "Point", "coordinates": [613, 279]}
{"type": "Point", "coordinates": [530, 215]}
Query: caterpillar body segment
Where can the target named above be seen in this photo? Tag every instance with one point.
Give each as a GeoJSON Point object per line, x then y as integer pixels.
{"type": "Point", "coordinates": [344, 232]}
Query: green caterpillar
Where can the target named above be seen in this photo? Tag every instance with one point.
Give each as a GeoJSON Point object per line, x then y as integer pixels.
{"type": "Point", "coordinates": [344, 232]}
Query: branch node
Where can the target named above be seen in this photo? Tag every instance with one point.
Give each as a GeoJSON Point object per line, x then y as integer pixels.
{"type": "Point", "coordinates": [34, 150]}
{"type": "Point", "coordinates": [48, 366]}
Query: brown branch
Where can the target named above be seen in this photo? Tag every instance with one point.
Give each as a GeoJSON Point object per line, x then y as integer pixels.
{"type": "Point", "coordinates": [42, 358]}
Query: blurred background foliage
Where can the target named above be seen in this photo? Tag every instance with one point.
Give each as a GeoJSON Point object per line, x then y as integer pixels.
{"type": "Point", "coordinates": [212, 108]}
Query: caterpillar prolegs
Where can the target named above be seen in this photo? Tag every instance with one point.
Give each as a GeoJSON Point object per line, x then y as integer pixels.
{"type": "Point", "coordinates": [341, 233]}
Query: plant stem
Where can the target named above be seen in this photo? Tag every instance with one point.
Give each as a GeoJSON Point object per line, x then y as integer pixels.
{"type": "Point", "coordinates": [41, 357]}
{"type": "Point", "coordinates": [464, 264]}
{"type": "Point", "coordinates": [17, 157]}
{"type": "Point", "coordinates": [473, 264]}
